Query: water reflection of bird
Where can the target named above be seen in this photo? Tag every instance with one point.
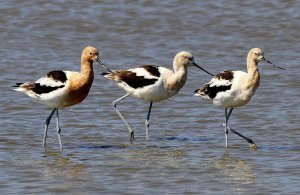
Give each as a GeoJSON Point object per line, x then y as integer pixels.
{"type": "Point", "coordinates": [152, 83]}
{"type": "Point", "coordinates": [59, 89]}
{"type": "Point", "coordinates": [63, 168]}
{"type": "Point", "coordinates": [234, 171]}
{"type": "Point", "coordinates": [231, 89]}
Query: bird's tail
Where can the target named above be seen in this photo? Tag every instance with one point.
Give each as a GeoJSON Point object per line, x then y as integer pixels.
{"type": "Point", "coordinates": [17, 85]}
{"type": "Point", "coordinates": [104, 73]}
{"type": "Point", "coordinates": [23, 87]}
{"type": "Point", "coordinates": [198, 92]}
{"type": "Point", "coordinates": [202, 91]}
{"type": "Point", "coordinates": [109, 75]}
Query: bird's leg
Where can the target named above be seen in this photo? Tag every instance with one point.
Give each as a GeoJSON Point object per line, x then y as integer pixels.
{"type": "Point", "coordinates": [58, 129]}
{"type": "Point", "coordinates": [225, 128]}
{"type": "Point", "coordinates": [229, 113]}
{"type": "Point", "coordinates": [46, 127]}
{"type": "Point", "coordinates": [147, 123]}
{"type": "Point", "coordinates": [250, 141]}
{"type": "Point", "coordinates": [114, 103]}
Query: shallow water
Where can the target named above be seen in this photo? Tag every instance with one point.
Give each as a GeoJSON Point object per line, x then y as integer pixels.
{"type": "Point", "coordinates": [185, 153]}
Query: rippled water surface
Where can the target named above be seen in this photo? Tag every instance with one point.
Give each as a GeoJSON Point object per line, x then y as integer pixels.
{"type": "Point", "coordinates": [185, 153]}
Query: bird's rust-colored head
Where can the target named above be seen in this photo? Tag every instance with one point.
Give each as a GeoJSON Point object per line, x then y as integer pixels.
{"type": "Point", "coordinates": [90, 54]}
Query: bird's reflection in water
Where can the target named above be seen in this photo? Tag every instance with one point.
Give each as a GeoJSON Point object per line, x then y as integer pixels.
{"type": "Point", "coordinates": [59, 166]}
{"type": "Point", "coordinates": [155, 156]}
{"type": "Point", "coordinates": [236, 172]}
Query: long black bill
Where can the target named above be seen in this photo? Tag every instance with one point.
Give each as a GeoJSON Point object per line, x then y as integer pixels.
{"type": "Point", "coordinates": [264, 59]}
{"type": "Point", "coordinates": [203, 69]}
{"type": "Point", "coordinates": [101, 63]}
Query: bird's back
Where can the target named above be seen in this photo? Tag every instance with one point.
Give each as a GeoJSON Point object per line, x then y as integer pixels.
{"type": "Point", "coordinates": [145, 82]}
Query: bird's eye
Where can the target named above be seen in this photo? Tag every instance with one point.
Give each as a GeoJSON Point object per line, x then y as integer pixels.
{"type": "Point", "coordinates": [256, 54]}
{"type": "Point", "coordinates": [91, 53]}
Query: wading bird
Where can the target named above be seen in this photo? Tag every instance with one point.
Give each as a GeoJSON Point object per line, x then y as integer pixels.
{"type": "Point", "coordinates": [231, 89]}
{"type": "Point", "coordinates": [152, 83]}
{"type": "Point", "coordinates": [59, 89]}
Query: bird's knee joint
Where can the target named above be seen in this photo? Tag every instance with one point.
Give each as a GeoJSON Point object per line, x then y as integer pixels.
{"type": "Point", "coordinates": [58, 130]}
{"type": "Point", "coordinates": [131, 136]}
{"type": "Point", "coordinates": [147, 123]}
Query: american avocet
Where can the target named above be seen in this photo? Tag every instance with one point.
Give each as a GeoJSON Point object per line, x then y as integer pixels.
{"type": "Point", "coordinates": [59, 89]}
{"type": "Point", "coordinates": [152, 83]}
{"type": "Point", "coordinates": [231, 89]}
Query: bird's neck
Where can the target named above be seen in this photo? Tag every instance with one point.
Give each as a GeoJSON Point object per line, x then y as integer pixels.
{"type": "Point", "coordinates": [178, 79]}
{"type": "Point", "coordinates": [181, 74]}
{"type": "Point", "coordinates": [87, 69]}
{"type": "Point", "coordinates": [253, 72]}
{"type": "Point", "coordinates": [80, 83]}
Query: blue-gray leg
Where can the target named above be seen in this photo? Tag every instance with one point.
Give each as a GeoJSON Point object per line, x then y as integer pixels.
{"type": "Point", "coordinates": [114, 103]}
{"type": "Point", "coordinates": [46, 127]}
{"type": "Point", "coordinates": [58, 129]}
{"type": "Point", "coordinates": [250, 141]}
{"type": "Point", "coordinates": [147, 122]}
{"type": "Point", "coordinates": [227, 115]}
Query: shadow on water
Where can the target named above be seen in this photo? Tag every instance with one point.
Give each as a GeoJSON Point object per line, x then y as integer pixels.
{"type": "Point", "coordinates": [187, 139]}
{"type": "Point", "coordinates": [100, 147]}
{"type": "Point", "coordinates": [117, 147]}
